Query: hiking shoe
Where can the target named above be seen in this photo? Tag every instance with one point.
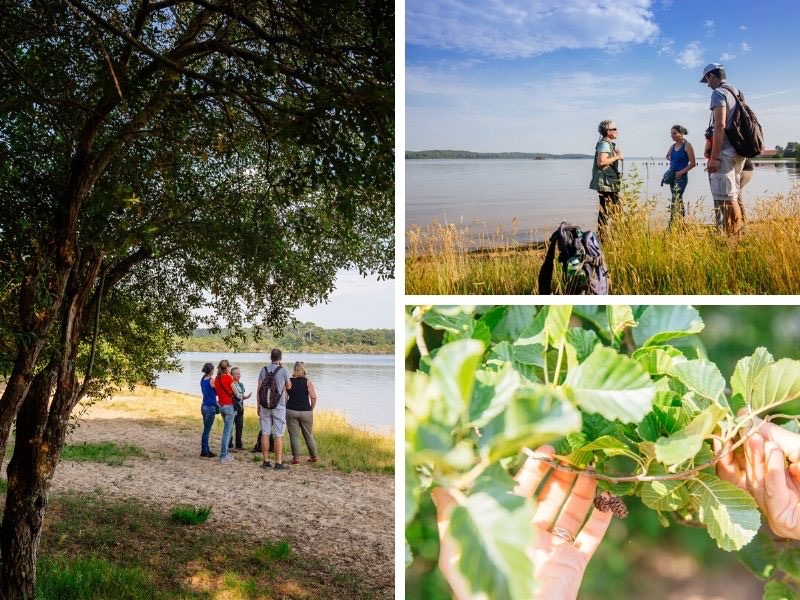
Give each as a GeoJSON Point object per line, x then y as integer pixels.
{"type": "Point", "coordinates": [210, 454]}
{"type": "Point", "coordinates": [266, 464]}
{"type": "Point", "coordinates": [295, 461]}
{"type": "Point", "coordinates": [281, 466]}
{"type": "Point", "coordinates": [226, 459]}
{"type": "Point", "coordinates": [312, 459]}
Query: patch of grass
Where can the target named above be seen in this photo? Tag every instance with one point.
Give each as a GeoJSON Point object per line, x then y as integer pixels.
{"type": "Point", "coordinates": [91, 578]}
{"type": "Point", "coordinates": [340, 444]}
{"type": "Point", "coordinates": [190, 515]}
{"type": "Point", "coordinates": [643, 255]}
{"type": "Point", "coordinates": [271, 552]}
{"type": "Point", "coordinates": [3, 486]}
{"type": "Point", "coordinates": [349, 448]}
{"type": "Point", "coordinates": [104, 452]}
{"type": "Point", "coordinates": [128, 549]}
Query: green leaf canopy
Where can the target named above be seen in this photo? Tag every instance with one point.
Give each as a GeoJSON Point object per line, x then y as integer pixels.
{"type": "Point", "coordinates": [612, 385]}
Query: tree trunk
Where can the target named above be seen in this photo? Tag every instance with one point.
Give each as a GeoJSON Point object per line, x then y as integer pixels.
{"type": "Point", "coordinates": [31, 468]}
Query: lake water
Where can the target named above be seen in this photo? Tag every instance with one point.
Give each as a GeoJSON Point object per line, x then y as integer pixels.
{"type": "Point", "coordinates": [539, 194]}
{"type": "Point", "coordinates": [360, 386]}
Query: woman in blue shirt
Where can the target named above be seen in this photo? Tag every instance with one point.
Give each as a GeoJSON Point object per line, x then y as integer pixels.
{"type": "Point", "coordinates": [208, 408]}
{"type": "Point", "coordinates": [681, 160]}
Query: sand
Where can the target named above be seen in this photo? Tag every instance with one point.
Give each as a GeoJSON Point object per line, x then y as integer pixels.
{"type": "Point", "coordinates": [345, 520]}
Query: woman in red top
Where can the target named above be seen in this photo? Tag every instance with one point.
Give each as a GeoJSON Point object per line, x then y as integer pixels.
{"type": "Point", "coordinates": [223, 384]}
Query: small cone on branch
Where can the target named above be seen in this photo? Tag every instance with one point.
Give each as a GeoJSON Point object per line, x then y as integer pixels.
{"type": "Point", "coordinates": [607, 501]}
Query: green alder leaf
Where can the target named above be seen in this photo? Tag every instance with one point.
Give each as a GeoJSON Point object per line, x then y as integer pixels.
{"type": "Point", "coordinates": [777, 590]}
{"type": "Point", "coordinates": [453, 369]}
{"type": "Point", "coordinates": [411, 333]}
{"type": "Point", "coordinates": [412, 491]}
{"type": "Point", "coordinates": [493, 390]}
{"type": "Point", "coordinates": [595, 426]}
{"type": "Point", "coordinates": [659, 324]}
{"type": "Point", "coordinates": [730, 514]}
{"type": "Point", "coordinates": [596, 316]}
{"type": "Point", "coordinates": [529, 353]}
{"type": "Point", "coordinates": [746, 371]}
{"type": "Point", "coordinates": [664, 495]}
{"type": "Point", "coordinates": [658, 360]}
{"type": "Point", "coordinates": [453, 319]}
{"type": "Point", "coordinates": [620, 316]}
{"type": "Point", "coordinates": [776, 384]}
{"type": "Point", "coordinates": [490, 532]}
{"type": "Point", "coordinates": [686, 443]}
{"type": "Point", "coordinates": [549, 327]}
{"type": "Point", "coordinates": [663, 420]}
{"type": "Point", "coordinates": [508, 322]}
{"type": "Point", "coordinates": [536, 415]}
{"type": "Point", "coordinates": [607, 445]}
{"type": "Point", "coordinates": [703, 378]}
{"type": "Point", "coordinates": [611, 385]}
{"type": "Point", "coordinates": [789, 562]}
{"type": "Point", "coordinates": [584, 341]}
{"type": "Point", "coordinates": [760, 556]}
{"type": "Point", "coordinates": [557, 322]}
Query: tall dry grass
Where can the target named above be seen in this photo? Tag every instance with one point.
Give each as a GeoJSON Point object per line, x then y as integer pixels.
{"type": "Point", "coordinates": [643, 254]}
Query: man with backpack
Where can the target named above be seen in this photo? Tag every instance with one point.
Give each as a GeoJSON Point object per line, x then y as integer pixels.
{"type": "Point", "coordinates": [725, 162]}
{"type": "Point", "coordinates": [273, 383]}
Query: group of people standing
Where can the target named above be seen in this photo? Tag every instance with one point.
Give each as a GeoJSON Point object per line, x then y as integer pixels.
{"type": "Point", "coordinates": [728, 172]}
{"type": "Point", "coordinates": [225, 395]}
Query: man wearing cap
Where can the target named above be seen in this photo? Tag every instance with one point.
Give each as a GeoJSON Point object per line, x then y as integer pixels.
{"type": "Point", "coordinates": [724, 165]}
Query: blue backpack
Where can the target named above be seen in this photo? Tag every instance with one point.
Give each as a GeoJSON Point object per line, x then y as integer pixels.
{"type": "Point", "coordinates": [582, 261]}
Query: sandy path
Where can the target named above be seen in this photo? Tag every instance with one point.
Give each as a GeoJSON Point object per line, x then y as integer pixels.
{"type": "Point", "coordinates": [347, 520]}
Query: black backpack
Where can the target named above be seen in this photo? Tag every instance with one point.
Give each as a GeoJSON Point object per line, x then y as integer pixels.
{"type": "Point", "coordinates": [581, 259]}
{"type": "Point", "coordinates": [745, 133]}
{"type": "Point", "coordinates": [268, 393]}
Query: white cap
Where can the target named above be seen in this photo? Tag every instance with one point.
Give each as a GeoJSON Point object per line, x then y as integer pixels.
{"type": "Point", "coordinates": [710, 67]}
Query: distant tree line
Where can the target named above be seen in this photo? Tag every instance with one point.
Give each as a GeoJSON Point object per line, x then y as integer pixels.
{"type": "Point", "coordinates": [790, 151]}
{"type": "Point", "coordinates": [452, 154]}
{"type": "Point", "coordinates": [305, 337]}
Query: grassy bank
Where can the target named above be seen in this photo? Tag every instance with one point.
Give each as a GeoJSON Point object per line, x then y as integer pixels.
{"type": "Point", "coordinates": [340, 445]}
{"type": "Point", "coordinates": [643, 255]}
{"type": "Point", "coordinates": [94, 549]}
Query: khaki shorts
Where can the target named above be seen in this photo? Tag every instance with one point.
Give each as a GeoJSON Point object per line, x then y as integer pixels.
{"type": "Point", "coordinates": [725, 182]}
{"type": "Point", "coordinates": [273, 420]}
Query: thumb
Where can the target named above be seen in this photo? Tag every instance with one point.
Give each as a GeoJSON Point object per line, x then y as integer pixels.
{"type": "Point", "coordinates": [787, 441]}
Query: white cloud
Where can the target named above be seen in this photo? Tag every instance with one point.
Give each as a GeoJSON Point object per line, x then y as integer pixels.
{"type": "Point", "coordinates": [726, 56]}
{"type": "Point", "coordinates": [524, 28]}
{"type": "Point", "coordinates": [691, 56]}
{"type": "Point", "coordinates": [709, 27]}
{"type": "Point", "coordinates": [742, 28]}
{"type": "Point", "coordinates": [665, 47]}
{"type": "Point", "coordinates": [745, 47]}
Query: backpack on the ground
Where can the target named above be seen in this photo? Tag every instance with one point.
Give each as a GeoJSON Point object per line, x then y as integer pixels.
{"type": "Point", "coordinates": [745, 133]}
{"type": "Point", "coordinates": [268, 393]}
{"type": "Point", "coordinates": [582, 261]}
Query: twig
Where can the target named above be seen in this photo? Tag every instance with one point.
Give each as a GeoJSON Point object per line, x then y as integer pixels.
{"type": "Point", "coordinates": [590, 471]}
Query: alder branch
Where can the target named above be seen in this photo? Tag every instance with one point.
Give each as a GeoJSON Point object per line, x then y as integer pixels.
{"type": "Point", "coordinates": [591, 472]}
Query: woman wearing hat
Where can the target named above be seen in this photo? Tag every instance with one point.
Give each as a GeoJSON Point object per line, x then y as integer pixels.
{"type": "Point", "coordinates": [208, 408]}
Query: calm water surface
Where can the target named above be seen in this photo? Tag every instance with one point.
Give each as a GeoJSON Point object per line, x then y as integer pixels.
{"type": "Point", "coordinates": [361, 386]}
{"type": "Point", "coordinates": [539, 194]}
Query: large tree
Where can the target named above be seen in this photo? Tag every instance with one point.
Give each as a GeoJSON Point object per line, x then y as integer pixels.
{"type": "Point", "coordinates": [159, 157]}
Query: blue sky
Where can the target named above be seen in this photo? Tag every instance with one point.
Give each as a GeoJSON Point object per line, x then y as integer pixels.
{"type": "Point", "coordinates": [538, 76]}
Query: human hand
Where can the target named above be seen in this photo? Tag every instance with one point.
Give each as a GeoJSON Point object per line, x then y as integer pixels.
{"type": "Point", "coordinates": [558, 563]}
{"type": "Point", "coordinates": [619, 154]}
{"type": "Point", "coordinates": [760, 468]}
{"type": "Point", "coordinates": [713, 165]}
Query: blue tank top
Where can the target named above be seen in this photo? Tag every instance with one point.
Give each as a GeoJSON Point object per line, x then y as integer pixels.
{"type": "Point", "coordinates": [678, 159]}
{"type": "Point", "coordinates": [209, 393]}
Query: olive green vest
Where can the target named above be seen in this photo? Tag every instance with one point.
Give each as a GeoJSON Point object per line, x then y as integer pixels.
{"type": "Point", "coordinates": [607, 178]}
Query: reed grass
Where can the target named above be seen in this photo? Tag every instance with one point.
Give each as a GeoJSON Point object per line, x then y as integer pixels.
{"type": "Point", "coordinates": [340, 444]}
{"type": "Point", "coordinates": [643, 254]}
